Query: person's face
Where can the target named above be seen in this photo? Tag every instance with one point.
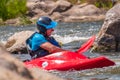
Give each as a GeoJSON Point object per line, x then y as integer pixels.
{"type": "Point", "coordinates": [49, 32]}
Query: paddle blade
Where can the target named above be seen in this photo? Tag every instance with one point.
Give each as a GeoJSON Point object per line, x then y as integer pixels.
{"type": "Point", "coordinates": [86, 45]}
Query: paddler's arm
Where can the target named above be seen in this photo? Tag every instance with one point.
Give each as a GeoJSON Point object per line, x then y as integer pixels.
{"type": "Point", "coordinates": [51, 48]}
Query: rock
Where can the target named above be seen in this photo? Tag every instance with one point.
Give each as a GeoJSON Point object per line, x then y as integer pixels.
{"type": "Point", "coordinates": [16, 43]}
{"type": "Point", "coordinates": [83, 18]}
{"type": "Point", "coordinates": [83, 12]}
{"type": "Point", "coordinates": [13, 69]}
{"type": "Point", "coordinates": [64, 11]}
{"type": "Point", "coordinates": [61, 6]}
{"type": "Point", "coordinates": [109, 36]}
{"type": "Point", "coordinates": [39, 8]}
{"type": "Point", "coordinates": [42, 75]}
{"type": "Point", "coordinates": [13, 21]}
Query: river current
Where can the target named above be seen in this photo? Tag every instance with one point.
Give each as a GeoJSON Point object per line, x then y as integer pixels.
{"type": "Point", "coordinates": [72, 36]}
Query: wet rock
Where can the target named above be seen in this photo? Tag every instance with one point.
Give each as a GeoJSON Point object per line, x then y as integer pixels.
{"type": "Point", "coordinates": [108, 37]}
{"type": "Point", "coordinates": [16, 43]}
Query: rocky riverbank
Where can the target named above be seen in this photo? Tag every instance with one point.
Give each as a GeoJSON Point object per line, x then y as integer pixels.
{"type": "Point", "coordinates": [61, 11]}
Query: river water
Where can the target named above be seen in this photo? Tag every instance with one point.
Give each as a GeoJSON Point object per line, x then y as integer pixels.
{"type": "Point", "coordinates": [72, 35]}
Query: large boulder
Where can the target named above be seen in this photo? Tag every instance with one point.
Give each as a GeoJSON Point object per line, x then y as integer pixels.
{"type": "Point", "coordinates": [109, 36]}
{"type": "Point", "coordinates": [11, 68]}
{"type": "Point", "coordinates": [16, 43]}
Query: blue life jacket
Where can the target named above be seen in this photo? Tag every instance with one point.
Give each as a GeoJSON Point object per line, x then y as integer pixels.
{"type": "Point", "coordinates": [34, 42]}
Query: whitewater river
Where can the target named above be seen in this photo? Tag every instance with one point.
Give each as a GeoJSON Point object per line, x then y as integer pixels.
{"type": "Point", "coordinates": [72, 35]}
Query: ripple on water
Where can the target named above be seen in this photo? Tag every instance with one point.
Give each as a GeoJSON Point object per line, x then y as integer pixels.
{"type": "Point", "coordinates": [106, 73]}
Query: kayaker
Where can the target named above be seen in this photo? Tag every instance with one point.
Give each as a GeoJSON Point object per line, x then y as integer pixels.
{"type": "Point", "coordinates": [41, 43]}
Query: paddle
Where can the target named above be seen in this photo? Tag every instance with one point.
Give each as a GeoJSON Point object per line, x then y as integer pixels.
{"type": "Point", "coordinates": [86, 45]}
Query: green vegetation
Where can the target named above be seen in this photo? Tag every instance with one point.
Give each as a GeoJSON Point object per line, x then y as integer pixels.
{"type": "Point", "coordinates": [100, 3]}
{"type": "Point", "coordinates": [24, 20]}
{"type": "Point", "coordinates": [12, 8]}
{"type": "Point", "coordinates": [73, 1]}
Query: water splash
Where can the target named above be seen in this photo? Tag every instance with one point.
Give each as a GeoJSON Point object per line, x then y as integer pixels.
{"type": "Point", "coordinates": [67, 38]}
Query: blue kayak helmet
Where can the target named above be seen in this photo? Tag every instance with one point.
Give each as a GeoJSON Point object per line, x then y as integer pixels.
{"type": "Point", "coordinates": [44, 23]}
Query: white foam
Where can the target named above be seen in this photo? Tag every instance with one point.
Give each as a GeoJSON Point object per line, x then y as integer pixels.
{"type": "Point", "coordinates": [67, 38]}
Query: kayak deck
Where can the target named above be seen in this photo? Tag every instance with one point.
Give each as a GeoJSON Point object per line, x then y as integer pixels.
{"type": "Point", "coordinates": [68, 60]}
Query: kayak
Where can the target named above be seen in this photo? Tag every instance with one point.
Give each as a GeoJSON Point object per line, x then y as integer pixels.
{"type": "Point", "coordinates": [68, 60]}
